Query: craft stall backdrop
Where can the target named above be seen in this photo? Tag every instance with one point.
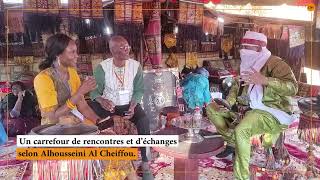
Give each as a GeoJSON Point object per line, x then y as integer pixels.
{"type": "Point", "coordinates": [287, 42]}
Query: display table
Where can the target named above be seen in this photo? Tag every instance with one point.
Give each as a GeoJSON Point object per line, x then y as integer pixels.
{"type": "Point", "coordinates": [186, 155]}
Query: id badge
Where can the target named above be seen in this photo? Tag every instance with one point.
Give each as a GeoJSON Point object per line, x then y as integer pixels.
{"type": "Point", "coordinates": [124, 97]}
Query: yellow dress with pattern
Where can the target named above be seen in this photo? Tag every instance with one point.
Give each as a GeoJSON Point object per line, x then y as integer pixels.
{"type": "Point", "coordinates": [52, 93]}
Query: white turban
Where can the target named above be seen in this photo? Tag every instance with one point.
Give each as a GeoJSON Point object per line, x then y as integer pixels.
{"type": "Point", "coordinates": [254, 38]}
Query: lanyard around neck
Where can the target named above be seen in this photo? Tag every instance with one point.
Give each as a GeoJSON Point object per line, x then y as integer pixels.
{"type": "Point", "coordinates": [120, 79]}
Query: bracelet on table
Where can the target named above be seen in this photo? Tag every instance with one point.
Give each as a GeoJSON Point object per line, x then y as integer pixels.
{"type": "Point", "coordinates": [70, 104]}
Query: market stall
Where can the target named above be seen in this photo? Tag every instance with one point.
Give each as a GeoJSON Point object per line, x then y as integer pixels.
{"type": "Point", "coordinates": [167, 38]}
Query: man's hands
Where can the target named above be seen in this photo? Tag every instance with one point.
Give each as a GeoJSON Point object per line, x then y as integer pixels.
{"type": "Point", "coordinates": [106, 104]}
{"type": "Point", "coordinates": [220, 105]}
{"type": "Point", "coordinates": [253, 77]}
{"type": "Point", "coordinates": [130, 110]}
{"type": "Point", "coordinates": [109, 106]}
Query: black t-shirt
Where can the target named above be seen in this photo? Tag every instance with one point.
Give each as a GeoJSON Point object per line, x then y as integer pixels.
{"type": "Point", "coordinates": [28, 107]}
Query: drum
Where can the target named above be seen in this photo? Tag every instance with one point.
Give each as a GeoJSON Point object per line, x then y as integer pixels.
{"type": "Point", "coordinates": [66, 169]}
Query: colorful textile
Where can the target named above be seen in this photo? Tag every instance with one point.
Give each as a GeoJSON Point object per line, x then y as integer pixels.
{"type": "Point", "coordinates": [170, 40]}
{"type": "Point", "coordinates": [88, 8]}
{"type": "Point", "coordinates": [226, 44]}
{"type": "Point", "coordinates": [210, 26]}
{"type": "Point", "coordinates": [118, 170]}
{"type": "Point", "coordinates": [281, 83]}
{"type": "Point", "coordinates": [15, 171]}
{"type": "Point", "coordinates": [190, 13]}
{"type": "Point", "coordinates": [255, 122]}
{"type": "Point", "coordinates": [85, 6]}
{"type": "Point", "coordinates": [42, 6]}
{"type": "Point", "coordinates": [52, 92]}
{"type": "Point", "coordinates": [192, 60]}
{"type": "Point", "coordinates": [30, 5]}
{"type": "Point", "coordinates": [272, 31]}
{"type": "Point", "coordinates": [285, 33]}
{"type": "Point", "coordinates": [254, 38]}
{"type": "Point", "coordinates": [15, 21]}
{"type": "Point", "coordinates": [309, 128]}
{"type": "Point", "coordinates": [128, 11]}
{"type": "Point", "coordinates": [63, 169]}
{"type": "Point", "coordinates": [256, 60]}
{"type": "Point", "coordinates": [196, 90]}
{"type": "Point", "coordinates": [73, 7]}
{"type": "Point", "coordinates": [296, 59]}
{"type": "Point", "coordinates": [172, 61]}
{"type": "Point", "coordinates": [307, 90]}
{"type": "Point", "coordinates": [152, 37]}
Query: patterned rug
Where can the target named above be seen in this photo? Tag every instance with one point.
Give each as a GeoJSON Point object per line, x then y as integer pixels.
{"type": "Point", "coordinates": [162, 166]}
{"type": "Point", "coordinates": [15, 171]}
{"type": "Point", "coordinates": [10, 168]}
{"type": "Point", "coordinates": [215, 168]}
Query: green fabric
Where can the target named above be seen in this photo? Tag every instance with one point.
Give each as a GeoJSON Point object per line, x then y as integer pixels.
{"type": "Point", "coordinates": [255, 122]}
{"type": "Point", "coordinates": [138, 87]}
{"type": "Point", "coordinates": [219, 118]}
{"type": "Point", "coordinates": [281, 84]}
{"type": "Point", "coordinates": [99, 76]}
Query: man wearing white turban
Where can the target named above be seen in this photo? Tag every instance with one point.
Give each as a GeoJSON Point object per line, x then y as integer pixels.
{"type": "Point", "coordinates": [265, 84]}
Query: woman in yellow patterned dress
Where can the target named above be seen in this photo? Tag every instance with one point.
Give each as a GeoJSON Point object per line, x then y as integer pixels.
{"type": "Point", "coordinates": [61, 95]}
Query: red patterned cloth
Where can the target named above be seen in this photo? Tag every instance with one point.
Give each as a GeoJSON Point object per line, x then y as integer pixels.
{"type": "Point", "coordinates": [123, 127]}
{"type": "Point", "coordinates": [210, 25]}
{"type": "Point", "coordinates": [86, 8]}
{"type": "Point", "coordinates": [42, 6]}
{"type": "Point", "coordinates": [307, 90]}
{"type": "Point", "coordinates": [153, 37]}
{"type": "Point", "coordinates": [190, 13]}
{"type": "Point", "coordinates": [128, 11]}
{"type": "Point", "coordinates": [15, 21]}
{"type": "Point", "coordinates": [11, 168]}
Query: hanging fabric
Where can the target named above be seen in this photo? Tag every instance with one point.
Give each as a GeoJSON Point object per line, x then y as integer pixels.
{"type": "Point", "coordinates": [85, 8]}
{"type": "Point", "coordinates": [285, 33]}
{"type": "Point", "coordinates": [152, 36]}
{"type": "Point", "coordinates": [128, 11]}
{"type": "Point", "coordinates": [190, 13]}
{"type": "Point", "coordinates": [42, 6]}
{"type": "Point", "coordinates": [211, 26]}
{"type": "Point", "coordinates": [296, 36]}
{"type": "Point", "coordinates": [296, 56]}
{"type": "Point", "coordinates": [192, 60]}
{"type": "Point", "coordinates": [15, 21]}
{"type": "Point", "coordinates": [172, 61]}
